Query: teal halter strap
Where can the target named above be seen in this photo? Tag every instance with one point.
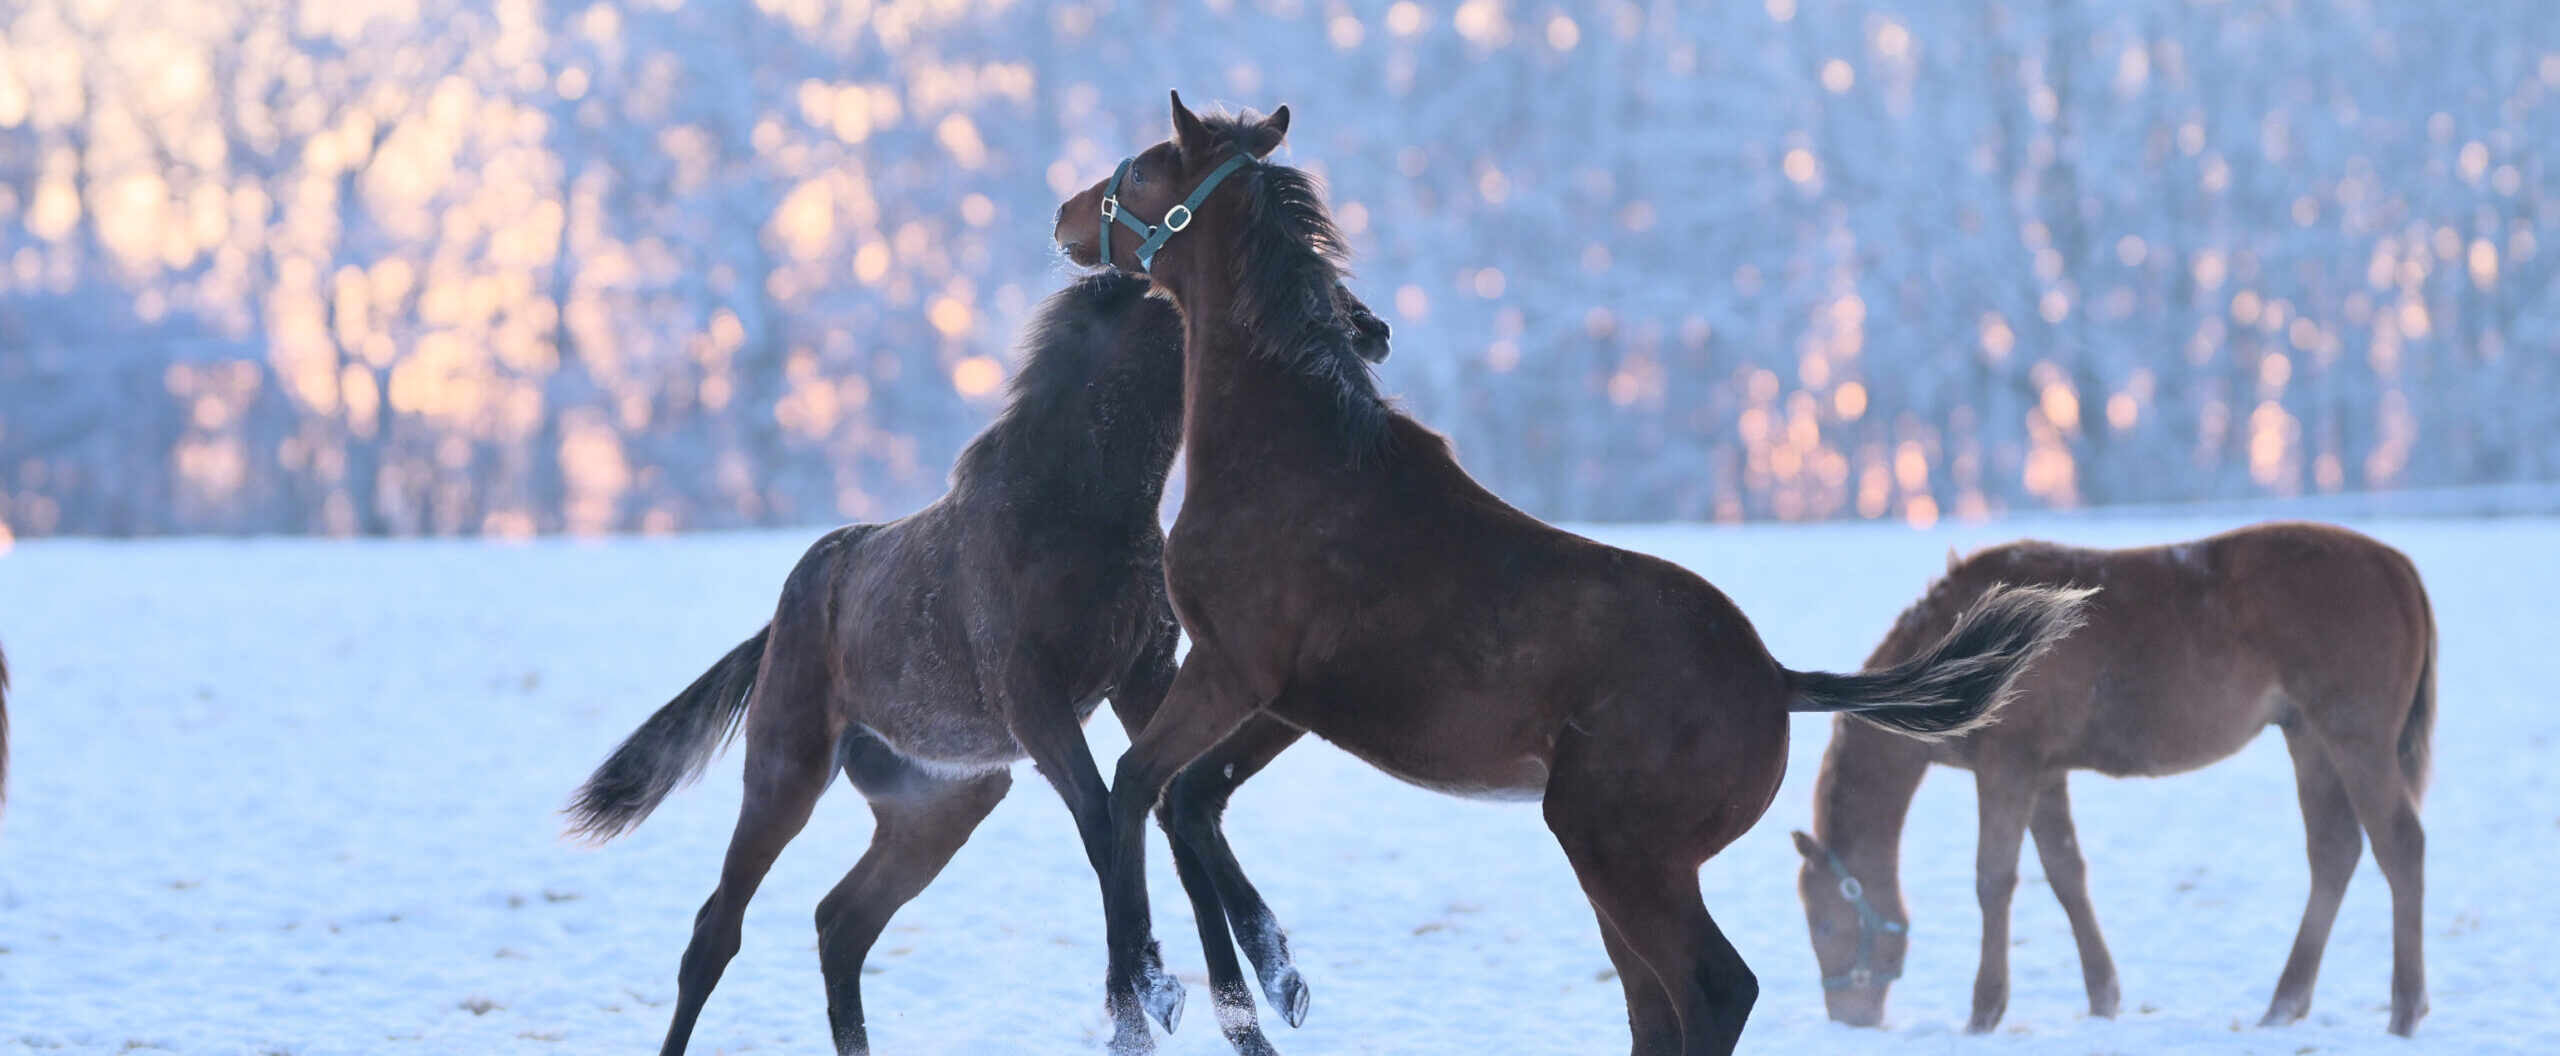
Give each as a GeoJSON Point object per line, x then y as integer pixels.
{"type": "Point", "coordinates": [1152, 237]}
{"type": "Point", "coordinates": [1870, 922]}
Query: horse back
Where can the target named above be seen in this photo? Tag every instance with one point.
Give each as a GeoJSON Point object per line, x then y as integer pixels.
{"type": "Point", "coordinates": [2191, 648]}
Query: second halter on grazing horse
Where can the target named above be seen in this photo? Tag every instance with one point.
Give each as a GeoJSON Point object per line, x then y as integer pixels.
{"type": "Point", "coordinates": [1340, 574]}
{"type": "Point", "coordinates": [2189, 652]}
{"type": "Point", "coordinates": [923, 657]}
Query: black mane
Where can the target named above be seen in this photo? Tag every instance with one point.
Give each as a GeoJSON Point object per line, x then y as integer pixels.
{"type": "Point", "coordinates": [1080, 388]}
{"type": "Point", "coordinates": [1286, 275]}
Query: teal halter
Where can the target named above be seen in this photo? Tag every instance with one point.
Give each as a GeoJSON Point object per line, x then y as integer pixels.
{"type": "Point", "coordinates": [1152, 237]}
{"type": "Point", "coordinates": [1870, 922]}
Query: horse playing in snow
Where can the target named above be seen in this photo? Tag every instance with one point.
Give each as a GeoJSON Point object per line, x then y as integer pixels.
{"type": "Point", "coordinates": [1340, 574]}
{"type": "Point", "coordinates": [924, 656]}
{"type": "Point", "coordinates": [2189, 651]}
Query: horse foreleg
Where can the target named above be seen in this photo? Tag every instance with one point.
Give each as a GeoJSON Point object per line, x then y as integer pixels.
{"type": "Point", "coordinates": [2008, 798]}
{"type": "Point", "coordinates": [1200, 710]}
{"type": "Point", "coordinates": [1211, 879]}
{"type": "Point", "coordinates": [1045, 725]}
{"type": "Point", "coordinates": [2058, 847]}
{"type": "Point", "coordinates": [1193, 807]}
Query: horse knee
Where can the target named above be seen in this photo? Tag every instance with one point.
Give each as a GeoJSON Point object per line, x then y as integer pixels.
{"type": "Point", "coordinates": [1993, 889]}
{"type": "Point", "coordinates": [1191, 808]}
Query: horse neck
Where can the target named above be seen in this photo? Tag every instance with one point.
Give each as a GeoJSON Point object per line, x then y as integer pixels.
{"type": "Point", "coordinates": [1246, 407]}
{"type": "Point", "coordinates": [1103, 454]}
{"type": "Point", "coordinates": [1863, 796]}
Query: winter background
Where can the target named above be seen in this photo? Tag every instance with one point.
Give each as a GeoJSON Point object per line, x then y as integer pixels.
{"type": "Point", "coordinates": [555, 278]}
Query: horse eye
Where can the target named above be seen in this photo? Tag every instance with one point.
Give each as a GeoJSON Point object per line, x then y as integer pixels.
{"type": "Point", "coordinates": [1137, 176]}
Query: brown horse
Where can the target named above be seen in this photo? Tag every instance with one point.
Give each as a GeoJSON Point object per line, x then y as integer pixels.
{"type": "Point", "coordinates": [924, 656]}
{"type": "Point", "coordinates": [1340, 574]}
{"type": "Point", "coordinates": [2190, 650]}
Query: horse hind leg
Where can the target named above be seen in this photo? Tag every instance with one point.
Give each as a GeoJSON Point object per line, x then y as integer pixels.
{"type": "Point", "coordinates": [921, 819]}
{"type": "Point", "coordinates": [2333, 843]}
{"type": "Point", "coordinates": [1651, 1020]}
{"type": "Point", "coordinates": [2388, 809]}
{"type": "Point", "coordinates": [2058, 847]}
{"type": "Point", "coordinates": [1635, 843]}
{"type": "Point", "coordinates": [787, 769]}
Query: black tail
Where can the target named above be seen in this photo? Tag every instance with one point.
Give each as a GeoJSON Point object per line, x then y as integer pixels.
{"type": "Point", "coordinates": [1957, 684]}
{"type": "Point", "coordinates": [2418, 733]}
{"type": "Point", "coordinates": [669, 750]}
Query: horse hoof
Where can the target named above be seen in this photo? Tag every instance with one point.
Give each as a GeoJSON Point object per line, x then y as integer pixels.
{"type": "Point", "coordinates": [2285, 1012]}
{"type": "Point", "coordinates": [2405, 1024]}
{"type": "Point", "coordinates": [1163, 999]}
{"type": "Point", "coordinates": [1288, 993]}
{"type": "Point", "coordinates": [1982, 1024]}
{"type": "Point", "coordinates": [2105, 1005]}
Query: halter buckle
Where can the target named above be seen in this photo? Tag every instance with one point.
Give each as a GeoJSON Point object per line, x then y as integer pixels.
{"type": "Point", "coordinates": [1110, 208]}
{"type": "Point", "coordinates": [1177, 218]}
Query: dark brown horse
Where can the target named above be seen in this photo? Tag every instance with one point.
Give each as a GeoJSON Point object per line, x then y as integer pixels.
{"type": "Point", "coordinates": [1340, 574]}
{"type": "Point", "coordinates": [924, 656]}
{"type": "Point", "coordinates": [2190, 650]}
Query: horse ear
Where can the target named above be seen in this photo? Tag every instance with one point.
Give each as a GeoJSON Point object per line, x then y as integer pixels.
{"type": "Point", "coordinates": [1189, 134]}
{"type": "Point", "coordinates": [1807, 846]}
{"type": "Point", "coordinates": [1953, 559]}
{"type": "Point", "coordinates": [1268, 134]}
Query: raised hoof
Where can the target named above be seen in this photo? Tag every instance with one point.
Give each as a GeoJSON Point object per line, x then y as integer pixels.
{"type": "Point", "coordinates": [1162, 995]}
{"type": "Point", "coordinates": [1287, 991]}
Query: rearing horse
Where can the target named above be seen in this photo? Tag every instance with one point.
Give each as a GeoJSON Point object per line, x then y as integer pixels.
{"type": "Point", "coordinates": [1340, 574]}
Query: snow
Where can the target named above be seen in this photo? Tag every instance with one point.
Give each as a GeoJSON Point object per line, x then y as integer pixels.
{"type": "Point", "coordinates": [298, 797]}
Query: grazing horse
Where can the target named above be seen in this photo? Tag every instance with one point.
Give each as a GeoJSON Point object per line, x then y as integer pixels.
{"type": "Point", "coordinates": [1339, 574]}
{"type": "Point", "coordinates": [924, 656]}
{"type": "Point", "coordinates": [2190, 650]}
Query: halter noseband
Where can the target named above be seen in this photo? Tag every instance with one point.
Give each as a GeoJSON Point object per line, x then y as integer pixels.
{"type": "Point", "coordinates": [1152, 237]}
{"type": "Point", "coordinates": [1870, 922]}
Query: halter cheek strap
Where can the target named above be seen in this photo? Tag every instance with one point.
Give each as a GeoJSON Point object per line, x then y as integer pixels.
{"type": "Point", "coordinates": [1871, 921]}
{"type": "Point", "coordinates": [1152, 237]}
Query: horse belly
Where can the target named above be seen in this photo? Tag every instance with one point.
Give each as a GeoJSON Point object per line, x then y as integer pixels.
{"type": "Point", "coordinates": [2176, 733]}
{"type": "Point", "coordinates": [1445, 747]}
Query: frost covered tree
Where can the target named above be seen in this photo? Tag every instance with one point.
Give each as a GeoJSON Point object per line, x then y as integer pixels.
{"type": "Point", "coordinates": [455, 266]}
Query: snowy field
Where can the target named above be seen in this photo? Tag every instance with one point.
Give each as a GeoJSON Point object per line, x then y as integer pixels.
{"type": "Point", "coordinates": [298, 797]}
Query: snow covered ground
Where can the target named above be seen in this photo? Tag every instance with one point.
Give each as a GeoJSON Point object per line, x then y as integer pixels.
{"type": "Point", "coordinates": [297, 797]}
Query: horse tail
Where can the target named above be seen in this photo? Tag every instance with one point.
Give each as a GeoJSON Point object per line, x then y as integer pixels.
{"type": "Point", "coordinates": [2418, 732]}
{"type": "Point", "coordinates": [1955, 686]}
{"type": "Point", "coordinates": [669, 750]}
